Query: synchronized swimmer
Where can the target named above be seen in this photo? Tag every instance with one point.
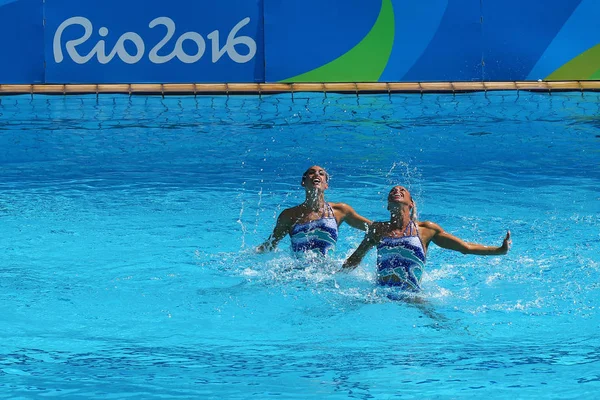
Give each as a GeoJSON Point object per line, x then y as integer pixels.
{"type": "Point", "coordinates": [313, 225]}
{"type": "Point", "coordinates": [401, 242]}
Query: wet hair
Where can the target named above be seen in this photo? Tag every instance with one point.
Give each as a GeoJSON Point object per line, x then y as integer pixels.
{"type": "Point", "coordinates": [413, 212]}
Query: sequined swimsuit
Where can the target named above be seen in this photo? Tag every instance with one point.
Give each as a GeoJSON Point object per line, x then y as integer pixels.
{"type": "Point", "coordinates": [320, 234]}
{"type": "Point", "coordinates": [401, 260]}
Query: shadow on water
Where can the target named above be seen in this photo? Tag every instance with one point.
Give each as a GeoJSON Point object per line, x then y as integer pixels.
{"type": "Point", "coordinates": [425, 306]}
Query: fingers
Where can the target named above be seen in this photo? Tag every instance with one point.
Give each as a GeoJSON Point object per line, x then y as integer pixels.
{"type": "Point", "coordinates": [508, 240]}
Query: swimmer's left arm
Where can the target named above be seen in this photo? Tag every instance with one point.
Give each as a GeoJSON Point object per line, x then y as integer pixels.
{"type": "Point", "coordinates": [451, 242]}
{"type": "Point", "coordinates": [371, 238]}
{"type": "Point", "coordinates": [355, 258]}
{"type": "Point", "coordinates": [351, 217]}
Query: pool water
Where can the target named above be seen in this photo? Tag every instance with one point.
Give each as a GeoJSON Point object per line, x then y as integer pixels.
{"type": "Point", "coordinates": [128, 227]}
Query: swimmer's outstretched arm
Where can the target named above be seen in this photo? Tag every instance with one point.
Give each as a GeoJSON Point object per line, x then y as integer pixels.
{"type": "Point", "coordinates": [351, 217]}
{"type": "Point", "coordinates": [360, 252]}
{"type": "Point", "coordinates": [451, 242]}
{"type": "Point", "coordinates": [282, 227]}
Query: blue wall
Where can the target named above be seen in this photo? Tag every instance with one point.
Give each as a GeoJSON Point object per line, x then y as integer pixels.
{"type": "Point", "coordinates": [21, 41]}
{"type": "Point", "coordinates": [149, 41]}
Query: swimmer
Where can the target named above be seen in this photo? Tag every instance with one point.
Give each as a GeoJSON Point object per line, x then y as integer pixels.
{"type": "Point", "coordinates": [313, 225]}
{"type": "Point", "coordinates": [403, 241]}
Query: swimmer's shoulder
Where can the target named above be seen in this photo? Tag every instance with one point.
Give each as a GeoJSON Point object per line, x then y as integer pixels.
{"type": "Point", "coordinates": [343, 207]}
{"type": "Point", "coordinates": [430, 226]}
{"type": "Point", "coordinates": [378, 226]}
{"type": "Point", "coordinates": [428, 230]}
{"type": "Point", "coordinates": [376, 231]}
{"type": "Point", "coordinates": [292, 213]}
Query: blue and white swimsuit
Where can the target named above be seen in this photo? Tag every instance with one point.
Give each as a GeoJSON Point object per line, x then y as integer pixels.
{"type": "Point", "coordinates": [401, 260]}
{"type": "Point", "coordinates": [320, 235]}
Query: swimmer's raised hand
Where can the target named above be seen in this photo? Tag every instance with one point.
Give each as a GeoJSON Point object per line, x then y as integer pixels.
{"type": "Point", "coordinates": [506, 244]}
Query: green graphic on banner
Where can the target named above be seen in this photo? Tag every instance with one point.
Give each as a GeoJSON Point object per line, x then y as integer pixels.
{"type": "Point", "coordinates": [585, 66]}
{"type": "Point", "coordinates": [366, 61]}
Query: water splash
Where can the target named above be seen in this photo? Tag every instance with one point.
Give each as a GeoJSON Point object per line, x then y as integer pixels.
{"type": "Point", "coordinates": [240, 221]}
{"type": "Point", "coordinates": [256, 221]}
{"type": "Point", "coordinates": [403, 173]}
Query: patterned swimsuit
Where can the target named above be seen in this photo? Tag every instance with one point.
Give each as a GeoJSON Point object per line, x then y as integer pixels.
{"type": "Point", "coordinates": [401, 260]}
{"type": "Point", "coordinates": [320, 234]}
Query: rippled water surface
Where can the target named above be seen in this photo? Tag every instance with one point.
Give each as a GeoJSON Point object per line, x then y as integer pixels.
{"type": "Point", "coordinates": [127, 229]}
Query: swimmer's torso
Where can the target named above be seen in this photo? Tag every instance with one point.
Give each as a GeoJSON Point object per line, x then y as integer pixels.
{"type": "Point", "coordinates": [401, 260]}
{"type": "Point", "coordinates": [316, 235]}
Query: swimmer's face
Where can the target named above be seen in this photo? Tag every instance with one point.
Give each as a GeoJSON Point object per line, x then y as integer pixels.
{"type": "Point", "coordinates": [399, 195]}
{"type": "Point", "coordinates": [315, 177]}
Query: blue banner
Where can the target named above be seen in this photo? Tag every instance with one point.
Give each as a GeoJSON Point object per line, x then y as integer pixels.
{"type": "Point", "coordinates": [209, 41]}
{"type": "Point", "coordinates": [21, 41]}
{"type": "Point", "coordinates": [437, 40]}
{"type": "Point", "coordinates": [154, 41]}
{"type": "Point", "coordinates": [511, 48]}
{"type": "Point", "coordinates": [454, 51]}
{"type": "Point", "coordinates": [305, 40]}
{"type": "Point", "coordinates": [370, 41]}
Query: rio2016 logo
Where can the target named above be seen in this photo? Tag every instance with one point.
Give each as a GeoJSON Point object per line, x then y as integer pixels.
{"type": "Point", "coordinates": [99, 50]}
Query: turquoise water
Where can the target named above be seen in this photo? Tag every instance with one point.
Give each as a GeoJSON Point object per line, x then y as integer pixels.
{"type": "Point", "coordinates": [127, 228]}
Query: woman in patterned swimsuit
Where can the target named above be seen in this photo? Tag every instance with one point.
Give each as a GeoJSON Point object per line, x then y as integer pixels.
{"type": "Point", "coordinates": [313, 225]}
{"type": "Point", "coordinates": [403, 241]}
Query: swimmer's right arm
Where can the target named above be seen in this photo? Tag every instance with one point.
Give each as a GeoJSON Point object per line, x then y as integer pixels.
{"type": "Point", "coordinates": [282, 227]}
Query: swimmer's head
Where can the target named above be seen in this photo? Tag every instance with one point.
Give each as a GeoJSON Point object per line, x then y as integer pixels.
{"type": "Point", "coordinates": [398, 197]}
{"type": "Point", "coordinates": [315, 177]}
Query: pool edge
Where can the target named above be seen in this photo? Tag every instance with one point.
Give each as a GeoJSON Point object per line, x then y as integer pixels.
{"type": "Point", "coordinates": [273, 88]}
